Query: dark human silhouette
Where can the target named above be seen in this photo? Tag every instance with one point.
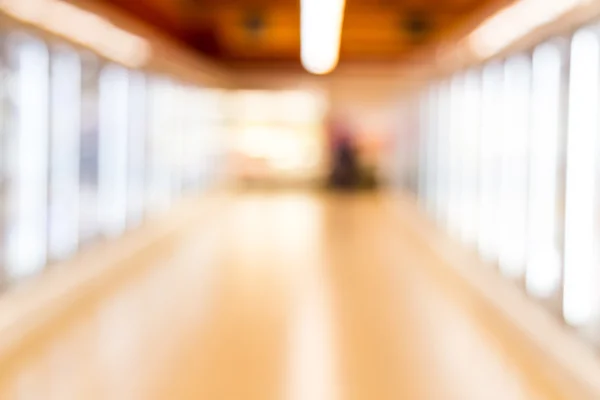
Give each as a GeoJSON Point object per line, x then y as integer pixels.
{"type": "Point", "coordinates": [345, 169]}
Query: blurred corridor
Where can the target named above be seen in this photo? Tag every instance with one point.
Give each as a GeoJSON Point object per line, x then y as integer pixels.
{"type": "Point", "coordinates": [299, 199]}
{"type": "Point", "coordinates": [280, 296]}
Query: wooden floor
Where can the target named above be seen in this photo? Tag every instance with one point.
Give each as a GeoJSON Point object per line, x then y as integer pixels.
{"type": "Point", "coordinates": [286, 296]}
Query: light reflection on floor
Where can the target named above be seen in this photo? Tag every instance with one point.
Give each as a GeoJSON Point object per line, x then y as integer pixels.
{"type": "Point", "coordinates": [287, 297]}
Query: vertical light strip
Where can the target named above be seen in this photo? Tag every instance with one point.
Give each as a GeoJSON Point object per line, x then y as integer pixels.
{"type": "Point", "coordinates": [470, 116]}
{"type": "Point", "coordinates": [423, 140]}
{"type": "Point", "coordinates": [432, 159]}
{"type": "Point", "coordinates": [514, 166]}
{"type": "Point", "coordinates": [581, 272]}
{"type": "Point", "coordinates": [489, 161]}
{"type": "Point", "coordinates": [544, 264]}
{"type": "Point", "coordinates": [443, 144]}
{"type": "Point", "coordinates": [138, 128]}
{"type": "Point", "coordinates": [454, 142]}
{"type": "Point", "coordinates": [28, 200]}
{"type": "Point", "coordinates": [321, 32]}
{"type": "Point", "coordinates": [112, 149]}
{"type": "Point", "coordinates": [161, 114]}
{"type": "Point", "coordinates": [65, 149]}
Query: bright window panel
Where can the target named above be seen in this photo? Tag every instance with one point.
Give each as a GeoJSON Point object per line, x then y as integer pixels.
{"type": "Point", "coordinates": [443, 144]}
{"type": "Point", "coordinates": [281, 148]}
{"type": "Point", "coordinates": [28, 174]}
{"type": "Point", "coordinates": [64, 157]}
{"type": "Point", "coordinates": [217, 131]}
{"type": "Point", "coordinates": [431, 153]}
{"type": "Point", "coordinates": [218, 163]}
{"type": "Point", "coordinates": [277, 146]}
{"type": "Point", "coordinates": [193, 147]}
{"type": "Point", "coordinates": [513, 187]}
{"type": "Point", "coordinates": [114, 129]}
{"type": "Point", "coordinates": [214, 104]}
{"type": "Point", "coordinates": [299, 107]}
{"type": "Point", "coordinates": [203, 128]}
{"type": "Point", "coordinates": [138, 131]}
{"type": "Point", "coordinates": [469, 157]}
{"type": "Point", "coordinates": [424, 128]}
{"type": "Point", "coordinates": [206, 143]}
{"type": "Point", "coordinates": [490, 161]}
{"type": "Point", "coordinates": [88, 161]}
{"type": "Point", "coordinates": [455, 154]}
{"type": "Point", "coordinates": [176, 149]}
{"type": "Point", "coordinates": [256, 106]}
{"type": "Point", "coordinates": [159, 168]}
{"type": "Point", "coordinates": [6, 103]}
{"type": "Point", "coordinates": [581, 263]}
{"type": "Point", "coordinates": [544, 262]}
{"type": "Point", "coordinates": [211, 110]}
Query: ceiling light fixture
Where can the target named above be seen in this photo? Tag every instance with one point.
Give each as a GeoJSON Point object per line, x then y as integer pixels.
{"type": "Point", "coordinates": [82, 27]}
{"type": "Point", "coordinates": [516, 21]}
{"type": "Point", "coordinates": [321, 33]}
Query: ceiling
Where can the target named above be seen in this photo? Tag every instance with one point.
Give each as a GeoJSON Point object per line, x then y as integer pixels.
{"type": "Point", "coordinates": [259, 31]}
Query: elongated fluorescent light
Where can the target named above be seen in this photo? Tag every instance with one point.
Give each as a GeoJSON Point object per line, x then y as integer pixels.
{"type": "Point", "coordinates": [82, 27]}
{"type": "Point", "coordinates": [516, 21]}
{"type": "Point", "coordinates": [321, 33]}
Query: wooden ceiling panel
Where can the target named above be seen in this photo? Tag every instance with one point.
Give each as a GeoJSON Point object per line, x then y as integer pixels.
{"type": "Point", "coordinates": [281, 32]}
{"type": "Point", "coordinates": [269, 30]}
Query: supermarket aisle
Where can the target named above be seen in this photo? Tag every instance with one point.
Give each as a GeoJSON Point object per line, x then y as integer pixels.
{"type": "Point", "coordinates": [286, 296]}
